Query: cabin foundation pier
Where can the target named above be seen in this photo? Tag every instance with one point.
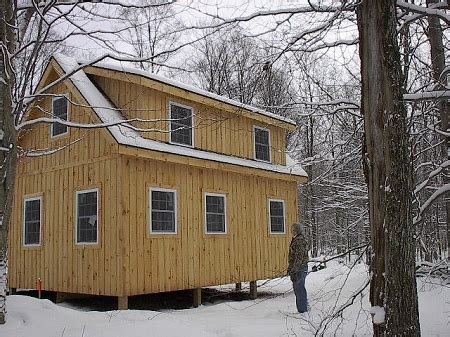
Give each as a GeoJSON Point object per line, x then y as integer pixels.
{"type": "Point", "coordinates": [61, 297]}
{"type": "Point", "coordinates": [196, 297]}
{"type": "Point", "coordinates": [12, 291]}
{"type": "Point", "coordinates": [238, 286]}
{"type": "Point", "coordinates": [253, 290]}
{"type": "Point", "coordinates": [122, 302]}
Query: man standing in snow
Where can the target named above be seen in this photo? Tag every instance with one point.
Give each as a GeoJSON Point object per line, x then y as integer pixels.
{"type": "Point", "coordinates": [298, 266]}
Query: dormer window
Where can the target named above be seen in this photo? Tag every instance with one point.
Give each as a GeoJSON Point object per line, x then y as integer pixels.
{"type": "Point", "coordinates": [262, 144]}
{"type": "Point", "coordinates": [181, 125]}
{"type": "Point", "coordinates": [59, 111]}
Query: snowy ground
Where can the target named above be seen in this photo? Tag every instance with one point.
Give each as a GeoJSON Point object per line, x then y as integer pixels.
{"type": "Point", "coordinates": [271, 315]}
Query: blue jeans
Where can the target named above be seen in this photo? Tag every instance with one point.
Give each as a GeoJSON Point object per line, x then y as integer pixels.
{"type": "Point", "coordinates": [298, 282]}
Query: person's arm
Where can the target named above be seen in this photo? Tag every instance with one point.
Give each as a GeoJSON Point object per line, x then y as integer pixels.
{"type": "Point", "coordinates": [290, 260]}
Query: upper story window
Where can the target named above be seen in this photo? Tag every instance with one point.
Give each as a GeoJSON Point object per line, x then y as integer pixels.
{"type": "Point", "coordinates": [163, 211]}
{"type": "Point", "coordinates": [87, 217]}
{"type": "Point", "coordinates": [32, 221]}
{"type": "Point", "coordinates": [59, 110]}
{"type": "Point", "coordinates": [262, 144]}
{"type": "Point", "coordinates": [181, 124]}
{"type": "Point", "coordinates": [277, 216]}
{"type": "Point", "coordinates": [215, 213]}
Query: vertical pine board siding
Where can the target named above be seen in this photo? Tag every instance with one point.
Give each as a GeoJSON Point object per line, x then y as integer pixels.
{"type": "Point", "coordinates": [58, 262]}
{"type": "Point", "coordinates": [216, 130]}
{"type": "Point", "coordinates": [115, 263]}
{"type": "Point", "coordinates": [128, 260]}
{"type": "Point", "coordinates": [133, 259]}
{"type": "Point", "coordinates": [141, 210]}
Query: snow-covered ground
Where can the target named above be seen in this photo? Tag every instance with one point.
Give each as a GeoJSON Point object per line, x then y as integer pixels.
{"type": "Point", "coordinates": [273, 314]}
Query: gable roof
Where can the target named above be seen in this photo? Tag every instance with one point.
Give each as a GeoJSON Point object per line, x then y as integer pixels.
{"type": "Point", "coordinates": [124, 135]}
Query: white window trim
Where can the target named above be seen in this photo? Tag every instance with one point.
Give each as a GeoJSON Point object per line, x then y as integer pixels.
{"type": "Point", "coordinates": [224, 210]}
{"type": "Point", "coordinates": [40, 221]}
{"type": "Point", "coordinates": [192, 122]}
{"type": "Point", "coordinates": [175, 206]}
{"type": "Point", "coordinates": [53, 116]}
{"type": "Point", "coordinates": [97, 190]}
{"type": "Point", "coordinates": [254, 144]}
{"type": "Point", "coordinates": [284, 217]}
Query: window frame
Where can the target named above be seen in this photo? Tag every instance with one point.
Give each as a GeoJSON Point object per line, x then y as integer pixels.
{"type": "Point", "coordinates": [32, 198]}
{"type": "Point", "coordinates": [97, 190]}
{"type": "Point", "coordinates": [269, 145]}
{"type": "Point", "coordinates": [270, 216]}
{"type": "Point", "coordinates": [205, 195]}
{"type": "Point", "coordinates": [150, 209]}
{"type": "Point", "coordinates": [53, 116]}
{"type": "Point", "coordinates": [192, 124]}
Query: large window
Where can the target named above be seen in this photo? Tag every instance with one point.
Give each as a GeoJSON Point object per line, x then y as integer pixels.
{"type": "Point", "coordinates": [277, 216]}
{"type": "Point", "coordinates": [87, 216]}
{"type": "Point", "coordinates": [181, 125]}
{"type": "Point", "coordinates": [262, 144]}
{"type": "Point", "coordinates": [32, 221]}
{"type": "Point", "coordinates": [163, 211]}
{"type": "Point", "coordinates": [59, 110]}
{"type": "Point", "coordinates": [215, 213]}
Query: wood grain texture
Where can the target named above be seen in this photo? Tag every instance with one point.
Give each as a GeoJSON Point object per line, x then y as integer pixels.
{"type": "Point", "coordinates": [128, 259]}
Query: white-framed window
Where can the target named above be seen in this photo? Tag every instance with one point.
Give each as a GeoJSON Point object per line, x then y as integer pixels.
{"type": "Point", "coordinates": [215, 213]}
{"type": "Point", "coordinates": [87, 216]}
{"type": "Point", "coordinates": [277, 216]}
{"type": "Point", "coordinates": [163, 211]}
{"type": "Point", "coordinates": [262, 144]}
{"type": "Point", "coordinates": [181, 124]}
{"type": "Point", "coordinates": [32, 221]}
{"type": "Point", "coordinates": [60, 110]}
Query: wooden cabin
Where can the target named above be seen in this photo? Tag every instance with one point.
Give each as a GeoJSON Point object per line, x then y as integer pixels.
{"type": "Point", "coordinates": [193, 190]}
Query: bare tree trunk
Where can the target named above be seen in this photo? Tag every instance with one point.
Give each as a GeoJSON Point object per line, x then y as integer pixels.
{"type": "Point", "coordinates": [388, 167]}
{"type": "Point", "coordinates": [311, 201]}
{"type": "Point", "coordinates": [8, 155]}
{"type": "Point", "coordinates": [438, 64]}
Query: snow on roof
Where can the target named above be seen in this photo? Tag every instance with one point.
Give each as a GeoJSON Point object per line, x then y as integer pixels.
{"type": "Point", "coordinates": [127, 136]}
{"type": "Point", "coordinates": [192, 89]}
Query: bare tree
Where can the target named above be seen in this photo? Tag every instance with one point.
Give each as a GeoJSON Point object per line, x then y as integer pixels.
{"type": "Point", "coordinates": [150, 30]}
{"type": "Point", "coordinates": [440, 76]}
{"type": "Point", "coordinates": [387, 146]}
{"type": "Point", "coordinates": [388, 171]}
{"type": "Point", "coordinates": [230, 64]}
{"type": "Point", "coordinates": [8, 136]}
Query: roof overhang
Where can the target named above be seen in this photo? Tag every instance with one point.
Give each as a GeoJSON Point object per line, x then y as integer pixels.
{"type": "Point", "coordinates": [133, 144]}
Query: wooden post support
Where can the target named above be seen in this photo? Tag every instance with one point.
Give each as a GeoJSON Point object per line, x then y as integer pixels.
{"type": "Point", "coordinates": [60, 297]}
{"type": "Point", "coordinates": [238, 286]}
{"type": "Point", "coordinates": [122, 302]}
{"type": "Point", "coordinates": [196, 297]}
{"type": "Point", "coordinates": [12, 291]}
{"type": "Point", "coordinates": [253, 291]}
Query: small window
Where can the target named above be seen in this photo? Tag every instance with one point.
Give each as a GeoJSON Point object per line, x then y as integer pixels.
{"type": "Point", "coordinates": [276, 213]}
{"type": "Point", "coordinates": [59, 110]}
{"type": "Point", "coordinates": [32, 221]}
{"type": "Point", "coordinates": [163, 209]}
{"type": "Point", "coordinates": [87, 216]}
{"type": "Point", "coordinates": [262, 144]}
{"type": "Point", "coordinates": [215, 213]}
{"type": "Point", "coordinates": [181, 130]}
